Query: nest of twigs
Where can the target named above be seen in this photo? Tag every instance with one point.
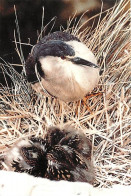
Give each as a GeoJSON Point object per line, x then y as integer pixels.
{"type": "Point", "coordinates": [107, 123]}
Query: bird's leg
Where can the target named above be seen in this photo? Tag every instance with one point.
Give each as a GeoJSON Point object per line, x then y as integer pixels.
{"type": "Point", "coordinates": [87, 107]}
{"type": "Point", "coordinates": [85, 99]}
{"type": "Point", "coordinates": [92, 95]}
{"type": "Point", "coordinates": [88, 97]}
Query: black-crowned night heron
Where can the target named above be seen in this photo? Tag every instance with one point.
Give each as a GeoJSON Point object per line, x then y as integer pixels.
{"type": "Point", "coordinates": [63, 154]}
{"type": "Point", "coordinates": [62, 66]}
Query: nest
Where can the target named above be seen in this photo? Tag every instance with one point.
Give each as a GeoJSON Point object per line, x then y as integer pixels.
{"type": "Point", "coordinates": [106, 120]}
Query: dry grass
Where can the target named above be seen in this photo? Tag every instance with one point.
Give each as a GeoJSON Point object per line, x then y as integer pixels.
{"type": "Point", "coordinates": [108, 126]}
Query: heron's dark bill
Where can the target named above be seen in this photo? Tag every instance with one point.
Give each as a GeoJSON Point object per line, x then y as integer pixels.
{"type": "Point", "coordinates": [80, 61]}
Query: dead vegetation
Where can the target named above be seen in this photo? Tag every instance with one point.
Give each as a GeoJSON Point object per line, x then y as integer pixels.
{"type": "Point", "coordinates": [24, 113]}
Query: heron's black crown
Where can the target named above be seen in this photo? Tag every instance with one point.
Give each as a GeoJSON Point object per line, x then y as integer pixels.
{"type": "Point", "coordinates": [51, 45]}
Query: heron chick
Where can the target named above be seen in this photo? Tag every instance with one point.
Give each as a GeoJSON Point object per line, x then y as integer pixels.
{"type": "Point", "coordinates": [63, 154]}
{"type": "Point", "coordinates": [64, 67]}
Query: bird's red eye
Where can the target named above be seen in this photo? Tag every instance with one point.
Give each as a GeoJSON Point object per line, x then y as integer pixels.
{"type": "Point", "coordinates": [63, 57]}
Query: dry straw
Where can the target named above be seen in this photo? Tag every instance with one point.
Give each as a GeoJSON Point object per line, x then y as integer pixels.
{"type": "Point", "coordinates": [24, 113]}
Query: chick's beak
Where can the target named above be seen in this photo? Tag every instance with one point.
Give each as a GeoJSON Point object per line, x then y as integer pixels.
{"type": "Point", "coordinates": [80, 61]}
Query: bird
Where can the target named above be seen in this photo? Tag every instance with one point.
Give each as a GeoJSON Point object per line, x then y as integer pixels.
{"type": "Point", "coordinates": [61, 66]}
{"type": "Point", "coordinates": [69, 158]}
{"type": "Point", "coordinates": [25, 156]}
{"type": "Point", "coordinates": [62, 154]}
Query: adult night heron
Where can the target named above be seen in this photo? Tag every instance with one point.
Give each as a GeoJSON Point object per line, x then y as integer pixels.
{"type": "Point", "coordinates": [62, 66]}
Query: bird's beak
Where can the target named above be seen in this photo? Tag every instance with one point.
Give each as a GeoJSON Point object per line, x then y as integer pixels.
{"type": "Point", "coordinates": [80, 61]}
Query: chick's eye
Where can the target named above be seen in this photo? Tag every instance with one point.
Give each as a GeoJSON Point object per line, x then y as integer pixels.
{"type": "Point", "coordinates": [63, 57]}
{"type": "Point", "coordinates": [32, 155]}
